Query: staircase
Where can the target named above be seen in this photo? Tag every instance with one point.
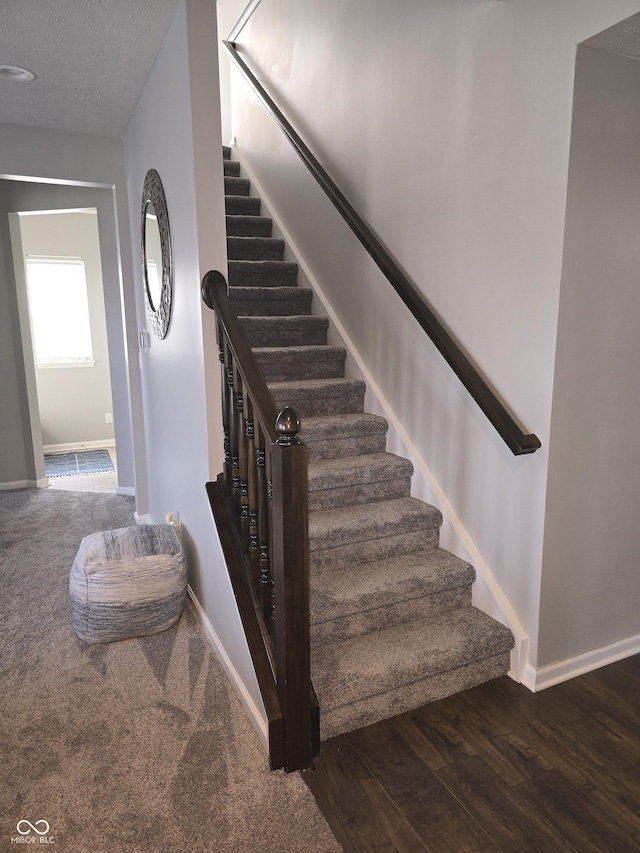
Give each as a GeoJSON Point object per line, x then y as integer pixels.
{"type": "Point", "coordinates": [392, 625]}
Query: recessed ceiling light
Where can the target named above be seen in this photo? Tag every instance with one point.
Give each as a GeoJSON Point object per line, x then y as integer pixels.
{"type": "Point", "coordinates": [12, 72]}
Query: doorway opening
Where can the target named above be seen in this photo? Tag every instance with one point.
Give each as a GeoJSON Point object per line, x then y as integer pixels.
{"type": "Point", "coordinates": [65, 296]}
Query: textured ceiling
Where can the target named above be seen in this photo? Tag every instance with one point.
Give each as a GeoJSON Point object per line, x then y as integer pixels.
{"type": "Point", "coordinates": [91, 59]}
{"type": "Point", "coordinates": [623, 38]}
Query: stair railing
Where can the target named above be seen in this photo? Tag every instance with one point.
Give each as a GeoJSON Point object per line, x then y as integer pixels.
{"type": "Point", "coordinates": [259, 504]}
{"type": "Point", "coordinates": [516, 439]}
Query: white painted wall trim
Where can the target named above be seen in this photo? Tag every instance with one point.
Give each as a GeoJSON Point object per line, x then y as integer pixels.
{"type": "Point", "coordinates": [24, 484]}
{"type": "Point", "coordinates": [242, 20]}
{"type": "Point", "coordinates": [85, 445]}
{"type": "Point", "coordinates": [259, 723]}
{"type": "Point", "coordinates": [129, 491]}
{"type": "Point", "coordinates": [555, 673]}
{"type": "Point", "coordinates": [142, 518]}
{"type": "Point", "coordinates": [487, 594]}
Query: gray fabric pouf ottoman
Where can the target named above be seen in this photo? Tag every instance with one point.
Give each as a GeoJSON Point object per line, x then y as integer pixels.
{"type": "Point", "coordinates": [127, 583]}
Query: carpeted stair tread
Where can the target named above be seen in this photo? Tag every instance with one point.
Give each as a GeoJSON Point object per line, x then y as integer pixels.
{"type": "Point", "coordinates": [332, 528]}
{"type": "Point", "coordinates": [300, 362]}
{"type": "Point", "coordinates": [285, 331]}
{"type": "Point", "coordinates": [255, 248]}
{"type": "Point", "coordinates": [360, 667]}
{"type": "Point", "coordinates": [381, 584]}
{"type": "Point", "coordinates": [331, 436]}
{"type": "Point", "coordinates": [311, 397]}
{"type": "Point", "coordinates": [236, 186]}
{"type": "Point", "coordinates": [226, 152]}
{"type": "Point", "coordinates": [231, 168]}
{"type": "Point", "coordinates": [274, 301]}
{"type": "Point", "coordinates": [242, 205]}
{"type": "Point", "coordinates": [351, 480]}
{"type": "Point", "coordinates": [355, 470]}
{"type": "Point", "coordinates": [248, 226]}
{"type": "Point", "coordinates": [263, 274]}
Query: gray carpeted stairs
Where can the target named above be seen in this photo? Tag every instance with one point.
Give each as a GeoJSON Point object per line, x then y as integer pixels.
{"type": "Point", "coordinates": [392, 625]}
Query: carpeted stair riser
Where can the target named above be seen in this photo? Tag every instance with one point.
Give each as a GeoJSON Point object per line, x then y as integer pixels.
{"type": "Point", "coordinates": [280, 364]}
{"type": "Point", "coordinates": [248, 226]}
{"type": "Point", "coordinates": [226, 152]}
{"type": "Point", "coordinates": [231, 168]}
{"type": "Point", "coordinates": [347, 718]}
{"type": "Point", "coordinates": [392, 624]}
{"type": "Point", "coordinates": [374, 619]}
{"type": "Point", "coordinates": [334, 436]}
{"type": "Point", "coordinates": [236, 186]}
{"type": "Point", "coordinates": [320, 396]}
{"type": "Point", "coordinates": [271, 301]}
{"type": "Point", "coordinates": [381, 490]}
{"type": "Point", "coordinates": [330, 528]}
{"type": "Point", "coordinates": [240, 205]}
{"type": "Point", "coordinates": [343, 557]}
{"type": "Point", "coordinates": [339, 539]}
{"type": "Point", "coordinates": [255, 248]}
{"type": "Point", "coordinates": [263, 274]}
{"type": "Point", "coordinates": [403, 656]}
{"type": "Point", "coordinates": [358, 479]}
{"type": "Point", "coordinates": [296, 330]}
{"type": "Point", "coordinates": [384, 592]}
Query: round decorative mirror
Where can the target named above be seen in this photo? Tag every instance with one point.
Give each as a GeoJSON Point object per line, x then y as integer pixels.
{"type": "Point", "coordinates": [157, 268]}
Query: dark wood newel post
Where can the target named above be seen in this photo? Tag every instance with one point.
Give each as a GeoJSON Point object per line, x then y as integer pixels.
{"type": "Point", "coordinates": [290, 565]}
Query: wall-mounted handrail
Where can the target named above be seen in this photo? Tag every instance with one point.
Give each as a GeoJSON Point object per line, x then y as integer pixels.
{"type": "Point", "coordinates": [516, 439]}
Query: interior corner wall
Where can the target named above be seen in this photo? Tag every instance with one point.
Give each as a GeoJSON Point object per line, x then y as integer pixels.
{"type": "Point", "coordinates": [448, 126]}
{"type": "Point", "coordinates": [45, 170]}
{"type": "Point", "coordinates": [176, 130]}
{"type": "Point", "coordinates": [590, 580]}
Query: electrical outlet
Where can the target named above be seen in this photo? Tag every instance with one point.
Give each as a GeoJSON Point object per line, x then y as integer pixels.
{"type": "Point", "coordinates": [108, 418]}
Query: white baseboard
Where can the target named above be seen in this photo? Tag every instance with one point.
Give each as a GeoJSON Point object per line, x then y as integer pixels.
{"type": "Point", "coordinates": [25, 484]}
{"type": "Point", "coordinates": [537, 679]}
{"type": "Point", "coordinates": [142, 519]}
{"type": "Point", "coordinates": [18, 484]}
{"type": "Point", "coordinates": [84, 445]}
{"type": "Point", "coordinates": [255, 715]}
{"type": "Point", "coordinates": [126, 490]}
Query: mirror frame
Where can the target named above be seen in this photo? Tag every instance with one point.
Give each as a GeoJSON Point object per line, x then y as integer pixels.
{"type": "Point", "coordinates": [153, 193]}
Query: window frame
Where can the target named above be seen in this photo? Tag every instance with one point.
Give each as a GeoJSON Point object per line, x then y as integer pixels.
{"type": "Point", "coordinates": [65, 361]}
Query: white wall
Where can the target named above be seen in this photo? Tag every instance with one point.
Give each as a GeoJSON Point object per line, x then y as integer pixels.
{"type": "Point", "coordinates": [47, 170]}
{"type": "Point", "coordinates": [228, 13]}
{"type": "Point", "coordinates": [591, 582]}
{"type": "Point", "coordinates": [448, 125]}
{"type": "Point", "coordinates": [176, 130]}
{"type": "Point", "coordinates": [73, 401]}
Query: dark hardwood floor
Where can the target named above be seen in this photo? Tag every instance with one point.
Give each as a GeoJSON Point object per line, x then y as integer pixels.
{"type": "Point", "coordinates": [496, 768]}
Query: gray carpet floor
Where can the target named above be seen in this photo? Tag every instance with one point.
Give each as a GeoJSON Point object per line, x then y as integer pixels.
{"type": "Point", "coordinates": [136, 746]}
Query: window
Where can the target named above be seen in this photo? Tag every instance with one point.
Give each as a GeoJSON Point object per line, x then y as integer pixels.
{"type": "Point", "coordinates": [59, 310]}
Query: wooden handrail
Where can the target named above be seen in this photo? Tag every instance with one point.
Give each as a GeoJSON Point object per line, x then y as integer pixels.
{"type": "Point", "coordinates": [516, 439]}
{"type": "Point", "coordinates": [260, 505]}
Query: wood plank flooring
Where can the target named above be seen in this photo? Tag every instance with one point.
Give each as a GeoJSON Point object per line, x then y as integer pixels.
{"type": "Point", "coordinates": [496, 768]}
